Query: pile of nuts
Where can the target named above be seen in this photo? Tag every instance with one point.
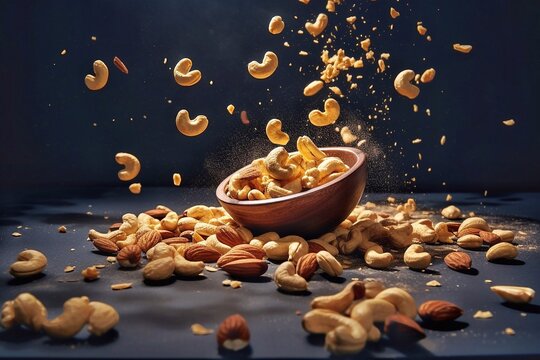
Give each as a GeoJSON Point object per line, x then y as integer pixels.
{"type": "Point", "coordinates": [280, 174]}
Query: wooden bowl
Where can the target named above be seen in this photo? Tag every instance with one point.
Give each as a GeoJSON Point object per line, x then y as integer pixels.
{"type": "Point", "coordinates": [310, 213]}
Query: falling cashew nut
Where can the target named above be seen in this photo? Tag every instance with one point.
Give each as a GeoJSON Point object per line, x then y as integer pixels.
{"type": "Point", "coordinates": [276, 25]}
{"type": "Point", "coordinates": [287, 279]}
{"type": "Point", "coordinates": [274, 133]}
{"type": "Point", "coordinates": [328, 117]}
{"type": "Point", "coordinates": [182, 74]}
{"type": "Point", "coordinates": [189, 127]}
{"type": "Point", "coordinates": [76, 313]}
{"type": "Point", "coordinates": [402, 84]}
{"type": "Point", "coordinates": [132, 166]}
{"type": "Point", "coordinates": [266, 68]}
{"type": "Point", "coordinates": [313, 87]}
{"type": "Point", "coordinates": [276, 164]}
{"type": "Point", "coordinates": [308, 149]}
{"type": "Point", "coordinates": [98, 81]}
{"type": "Point", "coordinates": [416, 257]}
{"type": "Point", "coordinates": [316, 28]}
{"type": "Point", "coordinates": [186, 268]}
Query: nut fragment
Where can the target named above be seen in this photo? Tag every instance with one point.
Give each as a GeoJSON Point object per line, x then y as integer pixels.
{"type": "Point", "coordinates": [483, 314]}
{"type": "Point", "coordinates": [91, 273]}
{"type": "Point", "coordinates": [340, 301]}
{"type": "Point", "coordinates": [198, 329]}
{"type": "Point", "coordinates": [462, 48]}
{"type": "Point", "coordinates": [514, 294]}
{"type": "Point", "coordinates": [313, 87]}
{"type": "Point", "coordinates": [233, 333]}
{"type": "Point", "coordinates": [501, 251]}
{"type": "Point", "coordinates": [317, 27]}
{"type": "Point", "coordinates": [29, 263]}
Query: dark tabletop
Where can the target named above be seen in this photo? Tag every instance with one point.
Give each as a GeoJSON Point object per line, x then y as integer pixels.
{"type": "Point", "coordinates": [155, 320]}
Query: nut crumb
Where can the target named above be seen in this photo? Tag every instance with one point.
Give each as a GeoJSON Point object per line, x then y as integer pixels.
{"type": "Point", "coordinates": [210, 268]}
{"type": "Point", "coordinates": [509, 122]}
{"type": "Point", "coordinates": [448, 197]}
{"type": "Point", "coordinates": [433, 283]}
{"type": "Point", "coordinates": [63, 52]}
{"type": "Point", "coordinates": [99, 266]}
{"type": "Point", "coordinates": [298, 312]}
{"type": "Point", "coordinates": [111, 259]}
{"type": "Point", "coordinates": [62, 229]}
{"type": "Point", "coordinates": [69, 268]}
{"type": "Point", "coordinates": [355, 279]}
{"type": "Point", "coordinates": [483, 314]}
{"type": "Point", "coordinates": [487, 281]}
{"type": "Point", "coordinates": [16, 234]}
{"type": "Point", "coordinates": [235, 284]}
{"type": "Point", "coordinates": [91, 273]}
{"type": "Point", "coordinates": [509, 331]}
{"type": "Point", "coordinates": [391, 199]}
{"type": "Point", "coordinates": [121, 286]}
{"type": "Point", "coordinates": [226, 282]}
{"type": "Point", "coordinates": [198, 329]}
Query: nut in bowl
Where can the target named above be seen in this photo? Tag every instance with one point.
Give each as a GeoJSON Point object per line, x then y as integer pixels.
{"type": "Point", "coordinates": [307, 213]}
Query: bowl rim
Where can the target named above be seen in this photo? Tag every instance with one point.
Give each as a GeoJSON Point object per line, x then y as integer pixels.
{"type": "Point", "coordinates": [360, 161]}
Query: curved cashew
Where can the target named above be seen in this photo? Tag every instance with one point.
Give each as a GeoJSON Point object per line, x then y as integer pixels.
{"type": "Point", "coordinates": [474, 222]}
{"type": "Point", "coordinates": [98, 81]}
{"type": "Point", "coordinates": [264, 69]}
{"type": "Point", "coordinates": [189, 127]}
{"type": "Point", "coordinates": [401, 299]}
{"type": "Point", "coordinates": [376, 258]}
{"type": "Point", "coordinates": [132, 166]}
{"type": "Point", "coordinates": [170, 221]}
{"type": "Point", "coordinates": [373, 287]}
{"type": "Point", "coordinates": [297, 249]}
{"type": "Point", "coordinates": [402, 84]}
{"type": "Point", "coordinates": [354, 239]}
{"type": "Point", "coordinates": [401, 235]}
{"type": "Point", "coordinates": [182, 74]}
{"type": "Point", "coordinates": [310, 179]}
{"type": "Point", "coordinates": [262, 239]}
{"type": "Point", "coordinates": [77, 310]}
{"type": "Point", "coordinates": [343, 335]}
{"type": "Point", "coordinates": [274, 191]}
{"type": "Point", "coordinates": [102, 318]}
{"type": "Point", "coordinates": [199, 212]}
{"type": "Point", "coordinates": [313, 87]}
{"type": "Point", "coordinates": [146, 220]}
{"type": "Point", "coordinates": [276, 25]}
{"type": "Point", "coordinates": [287, 279]}
{"type": "Point", "coordinates": [328, 263]}
{"type": "Point", "coordinates": [255, 194]}
{"type": "Point", "coordinates": [340, 301]}
{"type": "Point", "coordinates": [416, 257]}
{"type": "Point", "coordinates": [308, 149]}
{"type": "Point", "coordinates": [159, 269]}
{"type": "Point", "coordinates": [114, 236]}
{"type": "Point", "coordinates": [294, 186]}
{"type": "Point", "coordinates": [130, 224]}
{"type": "Point", "coordinates": [318, 26]}
{"type": "Point", "coordinates": [334, 251]}
{"type": "Point", "coordinates": [213, 242]}
{"type": "Point", "coordinates": [183, 267]}
{"type": "Point", "coordinates": [328, 117]}
{"type": "Point", "coordinates": [330, 165]}
{"type": "Point", "coordinates": [29, 263]}
{"type": "Point", "coordinates": [205, 229]}
{"type": "Point", "coordinates": [276, 164]}
{"type": "Point", "coordinates": [279, 249]}
{"type": "Point", "coordinates": [26, 310]}
{"type": "Point", "coordinates": [368, 311]}
{"type": "Point", "coordinates": [274, 133]}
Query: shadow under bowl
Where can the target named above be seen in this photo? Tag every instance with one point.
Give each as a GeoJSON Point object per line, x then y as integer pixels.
{"type": "Point", "coordinates": [309, 213]}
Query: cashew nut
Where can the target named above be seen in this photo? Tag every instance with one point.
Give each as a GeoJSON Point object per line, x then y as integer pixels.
{"type": "Point", "coordinates": [401, 299]}
{"type": "Point", "coordinates": [297, 249]}
{"type": "Point", "coordinates": [26, 310]}
{"type": "Point", "coordinates": [113, 236]}
{"type": "Point", "coordinates": [182, 74]}
{"type": "Point", "coordinates": [340, 301]}
{"type": "Point", "coordinates": [328, 263]}
{"type": "Point", "coordinates": [294, 186]}
{"type": "Point", "coordinates": [76, 313]}
{"type": "Point", "coordinates": [416, 257]}
{"type": "Point", "coordinates": [170, 221]}
{"type": "Point", "coordinates": [402, 84]}
{"type": "Point", "coordinates": [474, 222]}
{"type": "Point", "coordinates": [132, 166]}
{"type": "Point", "coordinates": [373, 287]}
{"type": "Point", "coordinates": [160, 251]}
{"type": "Point", "coordinates": [401, 235]}
{"type": "Point", "coordinates": [329, 116]}
{"type": "Point", "coordinates": [318, 26]}
{"type": "Point", "coordinates": [29, 263]}
{"type": "Point", "coordinates": [189, 127]}
{"type": "Point", "coordinates": [130, 224]}
{"type": "Point", "coordinates": [313, 87]}
{"type": "Point", "coordinates": [287, 279]}
{"type": "Point", "coordinates": [262, 239]}
{"type": "Point", "coordinates": [308, 149]}
{"type": "Point", "coordinates": [273, 190]}
{"type": "Point", "coordinates": [213, 242]}
{"type": "Point", "coordinates": [368, 311]}
{"type": "Point", "coordinates": [146, 220]}
{"type": "Point", "coordinates": [103, 317]}
{"type": "Point", "coordinates": [186, 268]}
{"type": "Point", "coordinates": [330, 165]}
{"type": "Point", "coordinates": [276, 164]}
{"type": "Point", "coordinates": [264, 69]}
{"type": "Point", "coordinates": [343, 335]}
{"type": "Point", "coordinates": [274, 133]}
{"type": "Point", "coordinates": [279, 249]}
{"type": "Point", "coordinates": [310, 179]}
{"type": "Point", "coordinates": [443, 235]}
{"type": "Point", "coordinates": [423, 231]}
{"type": "Point", "coordinates": [354, 239]}
{"type": "Point", "coordinates": [276, 25]}
{"type": "Point", "coordinates": [205, 229]}
{"type": "Point", "coordinates": [376, 258]}
{"type": "Point", "coordinates": [98, 81]}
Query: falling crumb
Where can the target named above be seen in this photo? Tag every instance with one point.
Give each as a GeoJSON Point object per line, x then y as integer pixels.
{"type": "Point", "coordinates": [351, 19]}
{"type": "Point", "coordinates": [211, 82]}
{"type": "Point", "coordinates": [417, 141]}
{"type": "Point", "coordinates": [63, 52]}
{"type": "Point", "coordinates": [210, 268]}
{"type": "Point", "coordinates": [394, 13]}
{"type": "Point", "coordinates": [415, 108]}
{"type": "Point", "coordinates": [16, 234]}
{"type": "Point", "coordinates": [298, 312]}
{"type": "Point", "coordinates": [509, 331]}
{"type": "Point", "coordinates": [235, 284]}
{"type": "Point", "coordinates": [99, 266]}
{"type": "Point", "coordinates": [487, 281]}
{"type": "Point", "coordinates": [483, 315]}
{"type": "Point", "coordinates": [62, 229]}
{"type": "Point", "coordinates": [485, 193]}
{"type": "Point", "coordinates": [523, 314]}
{"type": "Point", "coordinates": [355, 279]}
{"type": "Point", "coordinates": [286, 44]}
{"type": "Point", "coordinates": [365, 44]}
{"type": "Point", "coordinates": [111, 259]}
{"type": "Point", "coordinates": [462, 48]}
{"type": "Point", "coordinates": [472, 214]}
{"type": "Point", "coordinates": [230, 108]}
{"type": "Point", "coordinates": [177, 179]}
{"type": "Point", "coordinates": [361, 142]}
{"type": "Point", "coordinates": [302, 53]}
{"type": "Point", "coordinates": [226, 282]}
{"type": "Point", "coordinates": [443, 140]}
{"type": "Point", "coordinates": [121, 286]}
{"type": "Point", "coordinates": [433, 283]}
{"type": "Point", "coordinates": [91, 273]}
{"type": "Point", "coordinates": [93, 38]}
{"type": "Point", "coordinates": [421, 30]}
{"type": "Point", "coordinates": [391, 199]}
{"type": "Point", "coordinates": [72, 249]}
{"type": "Point", "coordinates": [336, 90]}
{"type": "Point", "coordinates": [300, 32]}
{"type": "Point", "coordinates": [164, 61]}
{"type": "Point", "coordinates": [509, 122]}
{"type": "Point", "coordinates": [69, 268]}
{"type": "Point", "coordinates": [448, 197]}
{"type": "Point", "coordinates": [198, 329]}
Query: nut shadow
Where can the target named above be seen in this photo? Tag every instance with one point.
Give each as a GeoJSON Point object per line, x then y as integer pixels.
{"type": "Point", "coordinates": [105, 339]}
{"type": "Point", "coordinates": [299, 293]}
{"type": "Point", "coordinates": [25, 280]}
{"type": "Point", "coordinates": [526, 308]}
{"type": "Point", "coordinates": [508, 262]}
{"type": "Point", "coordinates": [471, 271]}
{"type": "Point", "coordinates": [192, 278]}
{"type": "Point", "coordinates": [315, 339]}
{"type": "Point", "coordinates": [254, 280]}
{"type": "Point", "coordinates": [334, 279]}
{"type": "Point", "coordinates": [240, 354]}
{"type": "Point", "coordinates": [426, 271]}
{"type": "Point", "coordinates": [444, 325]}
{"type": "Point", "coordinates": [157, 283]}
{"type": "Point", "coordinates": [18, 334]}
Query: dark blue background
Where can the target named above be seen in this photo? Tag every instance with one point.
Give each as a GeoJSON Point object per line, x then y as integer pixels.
{"type": "Point", "coordinates": [47, 135]}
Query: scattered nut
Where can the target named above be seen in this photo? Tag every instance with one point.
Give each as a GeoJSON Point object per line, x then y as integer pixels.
{"type": "Point", "coordinates": [402, 84]}
{"type": "Point", "coordinates": [266, 68]}
{"type": "Point", "coordinates": [451, 212]}
{"type": "Point", "coordinates": [416, 257]}
{"type": "Point", "coordinates": [198, 329]}
{"type": "Point", "coordinates": [482, 314]}
{"type": "Point", "coordinates": [189, 127]}
{"type": "Point", "coordinates": [439, 310]}
{"type": "Point", "coordinates": [276, 25]}
{"type": "Point", "coordinates": [29, 263]}
{"type": "Point", "coordinates": [501, 251]}
{"type": "Point", "coordinates": [132, 166]}
{"type": "Point", "coordinates": [183, 75]}
{"type": "Point", "coordinates": [91, 273]}
{"type": "Point", "coordinates": [233, 333]}
{"type": "Point", "coordinates": [98, 81]}
{"type": "Point", "coordinates": [514, 294]}
{"type": "Point", "coordinates": [458, 261]}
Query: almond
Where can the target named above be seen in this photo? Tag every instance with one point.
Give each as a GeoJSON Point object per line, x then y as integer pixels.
{"type": "Point", "coordinates": [439, 310]}
{"type": "Point", "coordinates": [105, 245]}
{"type": "Point", "coordinates": [253, 250]}
{"type": "Point", "coordinates": [489, 237]}
{"type": "Point", "coordinates": [165, 234]}
{"type": "Point", "coordinates": [468, 231]}
{"type": "Point", "coordinates": [129, 256]}
{"type": "Point", "coordinates": [246, 268]}
{"type": "Point", "coordinates": [188, 234]}
{"type": "Point", "coordinates": [248, 173]}
{"type": "Point", "coordinates": [474, 222]}
{"type": "Point", "coordinates": [401, 328]}
{"type": "Point", "coordinates": [228, 236]}
{"type": "Point", "coordinates": [470, 241]}
{"type": "Point", "coordinates": [307, 265]}
{"type": "Point", "coordinates": [148, 240]}
{"type": "Point", "coordinates": [314, 247]}
{"type": "Point", "coordinates": [458, 261]}
{"type": "Point", "coordinates": [201, 253]}
{"type": "Point", "coordinates": [157, 213]}
{"type": "Point", "coordinates": [175, 240]}
{"type": "Point", "coordinates": [233, 255]}
{"type": "Point", "coordinates": [233, 333]}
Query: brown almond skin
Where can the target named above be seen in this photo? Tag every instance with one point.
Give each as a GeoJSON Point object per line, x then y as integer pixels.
{"type": "Point", "coordinates": [439, 311]}
{"type": "Point", "coordinates": [228, 236]}
{"type": "Point", "coordinates": [314, 247]}
{"type": "Point", "coordinates": [307, 265]}
{"type": "Point", "coordinates": [234, 254]}
{"type": "Point", "coordinates": [105, 245]}
{"type": "Point", "coordinates": [188, 234]}
{"type": "Point", "coordinates": [468, 231]}
{"type": "Point", "coordinates": [489, 237]}
{"type": "Point", "coordinates": [246, 268]}
{"type": "Point", "coordinates": [402, 329]}
{"type": "Point", "coordinates": [201, 253]}
{"type": "Point", "coordinates": [458, 261]}
{"type": "Point", "coordinates": [253, 250]}
{"type": "Point", "coordinates": [175, 240]}
{"type": "Point", "coordinates": [453, 226]}
{"type": "Point", "coordinates": [157, 213]}
{"type": "Point", "coordinates": [166, 234]}
{"type": "Point", "coordinates": [148, 240]}
{"type": "Point", "coordinates": [233, 327]}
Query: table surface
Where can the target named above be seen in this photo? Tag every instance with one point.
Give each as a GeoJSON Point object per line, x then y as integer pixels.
{"type": "Point", "coordinates": [155, 320]}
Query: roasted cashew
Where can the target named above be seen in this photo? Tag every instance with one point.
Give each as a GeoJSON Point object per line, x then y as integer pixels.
{"type": "Point", "coordinates": [423, 231]}
{"type": "Point", "coordinates": [213, 242]}
{"type": "Point", "coordinates": [354, 239]}
{"type": "Point", "coordinates": [328, 263]}
{"type": "Point", "coordinates": [182, 74]}
{"type": "Point", "coordinates": [130, 224]}
{"type": "Point", "coordinates": [160, 251]}
{"type": "Point", "coordinates": [199, 212]}
{"type": "Point", "coordinates": [328, 117]}
{"type": "Point", "coordinates": [297, 249]}
{"type": "Point", "coordinates": [264, 69]}
{"type": "Point", "coordinates": [330, 177]}
{"type": "Point", "coordinates": [369, 311]}
{"type": "Point", "coordinates": [330, 165]}
{"type": "Point", "coordinates": [103, 317]}
{"type": "Point", "coordinates": [401, 235]}
{"type": "Point", "coordinates": [114, 236]}
{"type": "Point", "coordinates": [310, 179]}
{"type": "Point", "coordinates": [313, 87]}
{"type": "Point", "coordinates": [340, 301]}
{"type": "Point", "coordinates": [318, 26]}
{"type": "Point", "coordinates": [205, 229]}
{"type": "Point", "coordinates": [186, 268]}
{"type": "Point", "coordinates": [334, 251]}
{"type": "Point", "coordinates": [98, 81]}
{"type": "Point", "coordinates": [29, 263]}
{"type": "Point", "coordinates": [262, 239]}
{"type": "Point", "coordinates": [276, 25]}
{"type": "Point", "coordinates": [279, 249]}
{"type": "Point", "coordinates": [25, 310]}
{"type": "Point", "coordinates": [343, 335]}
{"type": "Point", "coordinates": [373, 287]}
{"type": "Point", "coordinates": [294, 186]}
{"type": "Point", "coordinates": [132, 166]}
{"type": "Point", "coordinates": [274, 191]}
{"type": "Point", "coordinates": [308, 149]}
{"type": "Point", "coordinates": [443, 234]}
{"type": "Point", "coordinates": [76, 313]}
{"type": "Point", "coordinates": [274, 133]}
{"type": "Point", "coordinates": [376, 258]}
{"type": "Point", "coordinates": [402, 84]}
{"type": "Point", "coordinates": [170, 221]}
{"type": "Point", "coordinates": [401, 299]}
{"type": "Point", "coordinates": [147, 220]}
{"type": "Point", "coordinates": [276, 164]}
{"type": "Point", "coordinates": [189, 127]}
{"type": "Point", "coordinates": [416, 257]}
{"type": "Point", "coordinates": [287, 279]}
